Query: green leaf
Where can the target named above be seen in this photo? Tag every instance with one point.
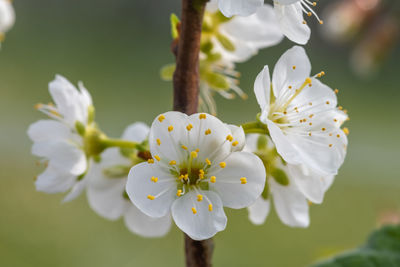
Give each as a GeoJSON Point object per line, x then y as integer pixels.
{"type": "Point", "coordinates": [174, 24]}
{"type": "Point", "coordinates": [167, 72]}
{"type": "Point", "coordinates": [382, 250]}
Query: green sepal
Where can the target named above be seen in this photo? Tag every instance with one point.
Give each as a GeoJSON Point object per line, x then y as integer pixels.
{"type": "Point", "coordinates": [206, 47]}
{"type": "Point", "coordinates": [280, 176]}
{"type": "Point", "coordinates": [167, 72]}
{"type": "Point", "coordinates": [80, 128]}
{"type": "Point", "coordinates": [117, 171]}
{"type": "Point", "coordinates": [216, 81]}
{"type": "Point", "coordinates": [126, 152]}
{"type": "Point", "coordinates": [91, 114]}
{"type": "Point", "coordinates": [204, 185]}
{"type": "Point", "coordinates": [125, 195]}
{"type": "Point", "coordinates": [174, 23]}
{"type": "Point", "coordinates": [262, 142]}
{"type": "Point", "coordinates": [265, 193]}
{"type": "Point", "coordinates": [225, 42]}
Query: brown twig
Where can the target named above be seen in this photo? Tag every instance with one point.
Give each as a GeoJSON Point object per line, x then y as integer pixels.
{"type": "Point", "coordinates": [186, 95]}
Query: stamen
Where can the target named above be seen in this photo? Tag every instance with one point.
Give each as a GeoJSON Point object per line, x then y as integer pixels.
{"type": "Point", "coordinates": [179, 193]}
{"type": "Point", "coordinates": [210, 207]}
{"type": "Point", "coordinates": [194, 210]}
{"type": "Point", "coordinates": [189, 127]}
{"type": "Point", "coordinates": [201, 174]}
{"type": "Point", "coordinates": [202, 116]}
{"type": "Point", "coordinates": [199, 198]}
{"type": "Point", "coordinates": [346, 131]}
{"type": "Point", "coordinates": [330, 145]}
{"type": "Point", "coordinates": [235, 143]}
{"type": "Point", "coordinates": [170, 128]}
{"type": "Point", "coordinates": [213, 179]}
{"type": "Point", "coordinates": [151, 197]}
{"type": "Point", "coordinates": [158, 142]}
{"type": "Point", "coordinates": [294, 67]}
{"type": "Point", "coordinates": [184, 147]}
{"type": "Point", "coordinates": [161, 118]}
{"type": "Point", "coordinates": [222, 164]}
{"type": "Point", "coordinates": [208, 162]}
{"type": "Point", "coordinates": [243, 180]}
{"type": "Point", "coordinates": [154, 179]}
{"type": "Point", "coordinates": [193, 154]}
{"type": "Point", "coordinates": [336, 91]}
{"type": "Point", "coordinates": [338, 135]}
{"type": "Point", "coordinates": [150, 161]}
{"type": "Point", "coordinates": [172, 162]}
{"type": "Point", "coordinates": [229, 138]}
{"type": "Point", "coordinates": [157, 157]}
{"type": "Point", "coordinates": [207, 132]}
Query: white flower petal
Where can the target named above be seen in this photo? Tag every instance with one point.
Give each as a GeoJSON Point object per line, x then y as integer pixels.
{"type": "Point", "coordinates": [54, 181]}
{"type": "Point", "coordinates": [292, 68]}
{"type": "Point", "coordinates": [238, 136]}
{"type": "Point", "coordinates": [204, 223]}
{"type": "Point", "coordinates": [7, 16]}
{"type": "Point", "coordinates": [251, 143]}
{"type": "Point", "coordinates": [108, 201]}
{"type": "Point", "coordinates": [212, 6]}
{"type": "Point", "coordinates": [286, 2]}
{"type": "Point", "coordinates": [143, 225]}
{"type": "Point", "coordinates": [76, 190]}
{"type": "Point", "coordinates": [283, 144]}
{"type": "Point", "coordinates": [229, 186]}
{"type": "Point", "coordinates": [214, 145]}
{"type": "Point", "coordinates": [137, 132]}
{"type": "Point", "coordinates": [170, 138]}
{"type": "Point", "coordinates": [290, 18]}
{"type": "Point", "coordinates": [43, 130]}
{"type": "Point", "coordinates": [258, 212]}
{"type": "Point", "coordinates": [313, 185]}
{"type": "Point", "coordinates": [262, 89]}
{"type": "Point", "coordinates": [290, 204]}
{"type": "Point", "coordinates": [62, 155]}
{"type": "Point", "coordinates": [239, 7]}
{"type": "Point", "coordinates": [140, 187]}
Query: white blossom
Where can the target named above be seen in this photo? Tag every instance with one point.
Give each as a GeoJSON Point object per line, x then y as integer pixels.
{"type": "Point", "coordinates": [58, 142]}
{"type": "Point", "coordinates": [292, 197]}
{"type": "Point", "coordinates": [106, 189]}
{"type": "Point", "coordinates": [7, 17]}
{"type": "Point", "coordinates": [302, 114]}
{"type": "Point", "coordinates": [197, 169]}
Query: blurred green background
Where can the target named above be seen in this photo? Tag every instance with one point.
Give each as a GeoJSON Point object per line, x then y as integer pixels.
{"type": "Point", "coordinates": [117, 48]}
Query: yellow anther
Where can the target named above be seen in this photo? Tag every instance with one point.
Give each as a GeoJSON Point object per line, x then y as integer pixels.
{"type": "Point", "coordinates": [213, 179]}
{"type": "Point", "coordinates": [172, 162]}
{"type": "Point", "coordinates": [294, 67]}
{"type": "Point", "coordinates": [308, 80]}
{"type": "Point", "coordinates": [201, 174]}
{"type": "Point", "coordinates": [284, 112]}
{"type": "Point", "coordinates": [310, 123]}
{"type": "Point", "coordinates": [170, 128]}
{"type": "Point", "coordinates": [154, 179]}
{"type": "Point", "coordinates": [194, 210]}
{"type": "Point", "coordinates": [323, 129]}
{"type": "Point", "coordinates": [340, 108]}
{"type": "Point", "coordinates": [321, 22]}
{"type": "Point", "coordinates": [330, 145]}
{"type": "Point", "coordinates": [229, 138]}
{"type": "Point", "coordinates": [346, 131]}
{"type": "Point", "coordinates": [193, 154]}
{"type": "Point", "coordinates": [314, 3]}
{"type": "Point", "coordinates": [199, 198]}
{"type": "Point", "coordinates": [197, 150]}
{"type": "Point", "coordinates": [186, 177]}
{"type": "Point", "coordinates": [336, 91]}
{"type": "Point", "coordinates": [210, 207]}
{"type": "Point", "coordinates": [310, 103]}
{"type": "Point", "coordinates": [208, 162]}
{"type": "Point", "coordinates": [304, 22]}
{"type": "Point", "coordinates": [157, 157]}
{"type": "Point", "coordinates": [184, 147]}
{"type": "Point", "coordinates": [201, 171]}
{"type": "Point", "coordinates": [202, 116]}
{"type": "Point", "coordinates": [38, 106]}
{"type": "Point", "coordinates": [309, 14]}
{"type": "Point", "coordinates": [178, 193]}
{"type": "Point", "coordinates": [330, 134]}
{"type": "Point", "coordinates": [158, 142]}
{"type": "Point", "coordinates": [150, 161]}
{"type": "Point", "coordinates": [335, 120]}
{"type": "Point", "coordinates": [322, 73]}
{"type": "Point", "coordinates": [309, 134]}
{"type": "Point", "coordinates": [235, 143]}
{"type": "Point", "coordinates": [151, 197]}
{"type": "Point", "coordinates": [243, 180]}
{"type": "Point", "coordinates": [222, 164]}
{"type": "Point", "coordinates": [207, 132]}
{"type": "Point", "coordinates": [312, 115]}
{"type": "Point", "coordinates": [161, 118]}
{"type": "Point", "coordinates": [327, 102]}
{"type": "Point", "coordinates": [338, 135]}
{"type": "Point", "coordinates": [290, 87]}
{"type": "Point", "coordinates": [189, 127]}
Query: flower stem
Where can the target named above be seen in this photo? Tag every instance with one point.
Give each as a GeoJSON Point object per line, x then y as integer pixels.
{"type": "Point", "coordinates": [198, 253]}
{"type": "Point", "coordinates": [255, 127]}
{"type": "Point", "coordinates": [118, 143]}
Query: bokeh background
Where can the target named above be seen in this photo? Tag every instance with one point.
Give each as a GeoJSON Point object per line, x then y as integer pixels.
{"type": "Point", "coordinates": [117, 48]}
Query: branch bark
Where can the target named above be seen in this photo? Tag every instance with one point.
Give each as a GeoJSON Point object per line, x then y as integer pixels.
{"type": "Point", "coordinates": [186, 98]}
{"type": "Point", "coordinates": [186, 76]}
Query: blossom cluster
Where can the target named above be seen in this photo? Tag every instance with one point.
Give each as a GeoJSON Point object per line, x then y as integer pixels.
{"type": "Point", "coordinates": [188, 168]}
